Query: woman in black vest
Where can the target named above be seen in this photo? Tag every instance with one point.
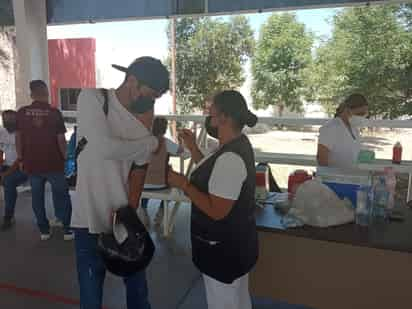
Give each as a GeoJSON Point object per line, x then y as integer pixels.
{"type": "Point", "coordinates": [222, 191]}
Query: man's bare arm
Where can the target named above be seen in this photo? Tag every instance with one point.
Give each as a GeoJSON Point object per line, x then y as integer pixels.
{"type": "Point", "coordinates": [136, 184]}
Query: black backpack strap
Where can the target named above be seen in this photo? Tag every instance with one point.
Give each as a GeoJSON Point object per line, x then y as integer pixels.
{"type": "Point", "coordinates": [80, 147]}
{"type": "Point", "coordinates": [83, 141]}
{"type": "Point", "coordinates": [105, 94]}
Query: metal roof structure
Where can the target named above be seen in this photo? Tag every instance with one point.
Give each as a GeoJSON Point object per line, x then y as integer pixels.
{"type": "Point", "coordinates": [86, 11]}
{"type": "Point", "coordinates": [6, 13]}
{"type": "Point", "coordinates": [69, 11]}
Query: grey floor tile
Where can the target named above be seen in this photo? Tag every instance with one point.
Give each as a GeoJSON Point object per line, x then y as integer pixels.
{"type": "Point", "coordinates": [28, 263]}
{"type": "Point", "coordinates": [196, 298]}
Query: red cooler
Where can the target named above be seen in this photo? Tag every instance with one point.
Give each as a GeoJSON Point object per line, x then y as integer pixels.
{"type": "Point", "coordinates": [295, 180]}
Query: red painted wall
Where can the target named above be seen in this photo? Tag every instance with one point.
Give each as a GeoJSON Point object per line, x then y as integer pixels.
{"type": "Point", "coordinates": [72, 64]}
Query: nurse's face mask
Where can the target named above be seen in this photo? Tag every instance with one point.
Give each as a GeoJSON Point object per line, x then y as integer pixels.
{"type": "Point", "coordinates": [210, 123]}
{"type": "Point", "coordinates": [211, 131]}
{"type": "Point", "coordinates": [358, 118]}
{"type": "Point", "coordinates": [357, 121]}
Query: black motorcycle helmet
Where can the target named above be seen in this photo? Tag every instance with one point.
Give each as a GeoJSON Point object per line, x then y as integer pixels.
{"type": "Point", "coordinates": [133, 254]}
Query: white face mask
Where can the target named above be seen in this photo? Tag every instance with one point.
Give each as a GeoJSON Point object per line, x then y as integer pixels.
{"type": "Point", "coordinates": [357, 121]}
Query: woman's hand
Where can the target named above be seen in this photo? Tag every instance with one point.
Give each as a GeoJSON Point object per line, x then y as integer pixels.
{"type": "Point", "coordinates": [188, 138]}
{"type": "Point", "coordinates": [175, 180]}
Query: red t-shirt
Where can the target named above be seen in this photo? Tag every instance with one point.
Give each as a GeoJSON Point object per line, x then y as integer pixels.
{"type": "Point", "coordinates": [39, 124]}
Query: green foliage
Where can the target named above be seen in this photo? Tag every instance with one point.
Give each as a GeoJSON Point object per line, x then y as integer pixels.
{"type": "Point", "coordinates": [370, 53]}
{"type": "Point", "coordinates": [405, 15]}
{"type": "Point", "coordinates": [279, 68]}
{"type": "Point", "coordinates": [210, 54]}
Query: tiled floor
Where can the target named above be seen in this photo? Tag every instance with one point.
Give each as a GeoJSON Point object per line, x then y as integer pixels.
{"type": "Point", "coordinates": [42, 275]}
{"type": "Point", "coordinates": [35, 274]}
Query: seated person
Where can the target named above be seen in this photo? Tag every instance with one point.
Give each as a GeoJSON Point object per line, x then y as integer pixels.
{"type": "Point", "coordinates": [156, 172]}
{"type": "Point", "coordinates": [339, 139]}
{"type": "Point", "coordinates": [10, 173]}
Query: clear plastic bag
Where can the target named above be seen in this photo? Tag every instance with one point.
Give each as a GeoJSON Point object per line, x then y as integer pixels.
{"type": "Point", "coordinates": [317, 205]}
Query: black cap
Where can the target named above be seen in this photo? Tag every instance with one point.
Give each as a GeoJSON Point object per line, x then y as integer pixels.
{"type": "Point", "coordinates": [150, 71]}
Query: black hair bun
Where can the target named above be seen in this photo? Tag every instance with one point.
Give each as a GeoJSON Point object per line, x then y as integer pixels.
{"type": "Point", "coordinates": [251, 119]}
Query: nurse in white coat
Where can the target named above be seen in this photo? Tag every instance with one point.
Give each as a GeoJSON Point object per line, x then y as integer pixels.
{"type": "Point", "coordinates": [339, 139]}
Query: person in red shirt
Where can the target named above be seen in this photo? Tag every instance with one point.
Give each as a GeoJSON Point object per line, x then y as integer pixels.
{"type": "Point", "coordinates": [41, 151]}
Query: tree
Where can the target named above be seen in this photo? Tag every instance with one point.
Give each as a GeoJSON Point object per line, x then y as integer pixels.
{"type": "Point", "coordinates": [369, 52]}
{"type": "Point", "coordinates": [405, 14]}
{"type": "Point", "coordinates": [279, 67]}
{"type": "Point", "coordinates": [210, 54]}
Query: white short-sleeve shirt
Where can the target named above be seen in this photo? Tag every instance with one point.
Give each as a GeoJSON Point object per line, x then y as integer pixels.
{"type": "Point", "coordinates": [8, 146]}
{"type": "Point", "coordinates": [228, 175]}
{"type": "Point", "coordinates": [343, 147]}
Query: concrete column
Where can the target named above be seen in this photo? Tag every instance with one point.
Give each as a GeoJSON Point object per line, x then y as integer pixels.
{"type": "Point", "coordinates": [7, 69]}
{"type": "Point", "coordinates": [31, 41]}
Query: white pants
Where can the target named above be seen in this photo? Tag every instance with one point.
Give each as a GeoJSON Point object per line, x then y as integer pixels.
{"type": "Point", "coordinates": [228, 296]}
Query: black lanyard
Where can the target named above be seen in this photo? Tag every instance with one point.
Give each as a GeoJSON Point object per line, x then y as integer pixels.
{"type": "Point", "coordinates": [351, 132]}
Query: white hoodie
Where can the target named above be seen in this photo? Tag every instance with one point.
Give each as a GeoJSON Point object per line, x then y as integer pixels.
{"type": "Point", "coordinates": [113, 144]}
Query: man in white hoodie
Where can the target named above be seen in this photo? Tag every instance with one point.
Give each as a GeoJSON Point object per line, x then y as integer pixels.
{"type": "Point", "coordinates": [115, 142]}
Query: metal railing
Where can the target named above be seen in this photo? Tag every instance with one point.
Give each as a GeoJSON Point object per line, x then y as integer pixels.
{"type": "Point", "coordinates": [295, 159]}
{"type": "Point", "coordinates": [274, 121]}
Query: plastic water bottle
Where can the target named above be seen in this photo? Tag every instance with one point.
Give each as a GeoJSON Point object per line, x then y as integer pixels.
{"type": "Point", "coordinates": [380, 200]}
{"type": "Point", "coordinates": [362, 206]}
{"type": "Point", "coordinates": [390, 182]}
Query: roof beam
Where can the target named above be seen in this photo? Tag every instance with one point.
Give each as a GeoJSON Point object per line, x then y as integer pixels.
{"type": "Point", "coordinates": [90, 11]}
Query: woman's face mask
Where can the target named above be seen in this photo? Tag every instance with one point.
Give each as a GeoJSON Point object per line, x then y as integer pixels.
{"type": "Point", "coordinates": [212, 131]}
{"type": "Point", "coordinates": [357, 121]}
{"type": "Point", "coordinates": [211, 122]}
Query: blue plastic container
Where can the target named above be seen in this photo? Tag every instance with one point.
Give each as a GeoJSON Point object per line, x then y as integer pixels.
{"type": "Point", "coordinates": [343, 191]}
{"type": "Point", "coordinates": [345, 183]}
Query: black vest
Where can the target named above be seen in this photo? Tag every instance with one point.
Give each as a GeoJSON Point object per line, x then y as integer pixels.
{"type": "Point", "coordinates": [226, 249]}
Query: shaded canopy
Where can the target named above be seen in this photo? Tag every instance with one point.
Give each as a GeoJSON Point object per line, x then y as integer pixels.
{"type": "Point", "coordinates": [77, 11]}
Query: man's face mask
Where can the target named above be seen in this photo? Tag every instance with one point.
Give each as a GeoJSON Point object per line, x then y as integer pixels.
{"type": "Point", "coordinates": [212, 131]}
{"type": "Point", "coordinates": [141, 105]}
